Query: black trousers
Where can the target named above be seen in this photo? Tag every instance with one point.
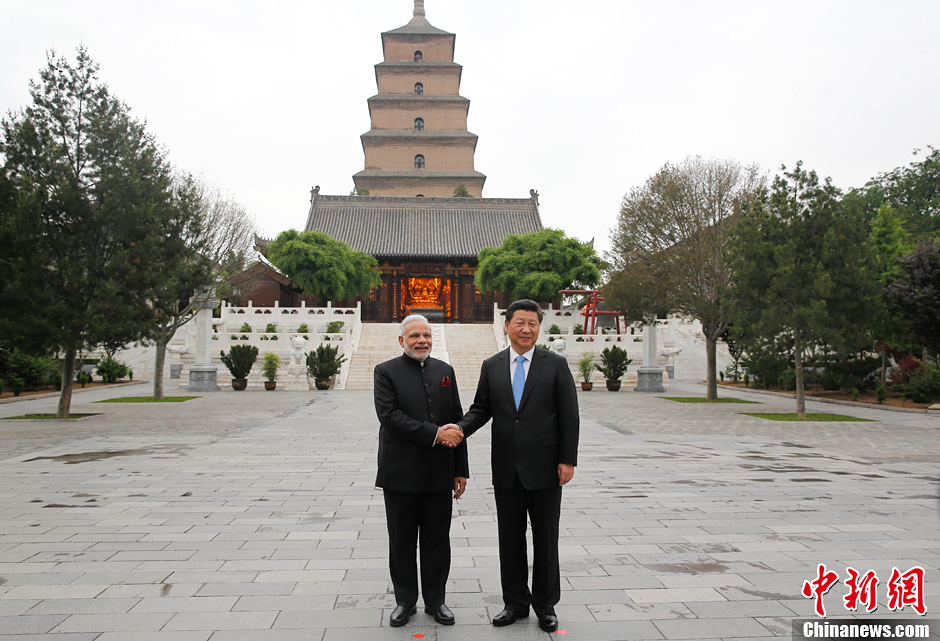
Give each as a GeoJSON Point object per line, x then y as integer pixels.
{"type": "Point", "coordinates": [543, 508]}
{"type": "Point", "coordinates": [410, 517]}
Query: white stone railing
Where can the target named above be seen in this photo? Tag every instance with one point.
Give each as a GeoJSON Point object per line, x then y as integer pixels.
{"type": "Point", "coordinates": [674, 333]}
{"type": "Point", "coordinates": [228, 330]}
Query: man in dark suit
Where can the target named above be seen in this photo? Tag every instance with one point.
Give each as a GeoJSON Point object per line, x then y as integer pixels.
{"type": "Point", "coordinates": [421, 466]}
{"type": "Point", "coordinates": [530, 395]}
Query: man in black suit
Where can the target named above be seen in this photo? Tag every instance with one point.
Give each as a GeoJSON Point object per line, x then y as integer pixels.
{"type": "Point", "coordinates": [530, 395]}
{"type": "Point", "coordinates": [421, 466]}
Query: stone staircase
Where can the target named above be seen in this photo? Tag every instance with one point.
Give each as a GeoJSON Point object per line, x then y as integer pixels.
{"type": "Point", "coordinates": [463, 346]}
{"type": "Point", "coordinates": [467, 347]}
{"type": "Point", "coordinates": [378, 342]}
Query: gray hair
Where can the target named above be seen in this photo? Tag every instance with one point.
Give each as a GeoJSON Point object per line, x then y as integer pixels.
{"type": "Point", "coordinates": [408, 319]}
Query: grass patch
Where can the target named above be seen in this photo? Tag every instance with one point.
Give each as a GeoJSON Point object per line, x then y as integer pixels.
{"type": "Point", "coordinates": [148, 399]}
{"type": "Point", "coordinates": [791, 416]}
{"type": "Point", "coordinates": [702, 399]}
{"type": "Point", "coordinates": [47, 417]}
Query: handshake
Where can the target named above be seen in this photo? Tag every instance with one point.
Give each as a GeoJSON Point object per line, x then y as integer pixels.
{"type": "Point", "coordinates": [450, 435]}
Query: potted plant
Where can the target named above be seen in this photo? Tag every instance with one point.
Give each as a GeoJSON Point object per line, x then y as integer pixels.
{"type": "Point", "coordinates": [324, 363]}
{"type": "Point", "coordinates": [269, 370]}
{"type": "Point", "coordinates": [586, 366]}
{"type": "Point", "coordinates": [239, 361]}
{"type": "Point", "coordinates": [614, 364]}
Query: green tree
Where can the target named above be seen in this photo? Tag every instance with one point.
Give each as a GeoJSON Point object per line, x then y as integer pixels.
{"type": "Point", "coordinates": [322, 266]}
{"type": "Point", "coordinates": [538, 265]}
{"type": "Point", "coordinates": [87, 217]}
{"type": "Point", "coordinates": [914, 191]}
{"type": "Point", "coordinates": [914, 292]}
{"type": "Point", "coordinates": [802, 270]}
{"type": "Point", "coordinates": [889, 241]}
{"type": "Point", "coordinates": [669, 247]}
{"type": "Point", "coordinates": [216, 243]}
{"type": "Point", "coordinates": [461, 192]}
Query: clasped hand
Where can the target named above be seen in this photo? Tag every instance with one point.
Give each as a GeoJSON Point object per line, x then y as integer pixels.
{"type": "Point", "coordinates": [450, 435]}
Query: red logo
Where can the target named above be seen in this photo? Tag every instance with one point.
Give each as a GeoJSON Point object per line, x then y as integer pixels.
{"type": "Point", "coordinates": [905, 589]}
{"type": "Point", "coordinates": [445, 382]}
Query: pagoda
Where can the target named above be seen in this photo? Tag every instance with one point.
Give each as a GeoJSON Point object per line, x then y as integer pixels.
{"type": "Point", "coordinates": [404, 211]}
{"type": "Point", "coordinates": [418, 144]}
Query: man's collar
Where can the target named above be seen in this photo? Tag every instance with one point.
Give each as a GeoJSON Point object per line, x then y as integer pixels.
{"type": "Point", "coordinates": [528, 355]}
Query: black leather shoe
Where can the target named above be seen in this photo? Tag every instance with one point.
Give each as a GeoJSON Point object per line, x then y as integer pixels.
{"type": "Point", "coordinates": [507, 617]}
{"type": "Point", "coordinates": [400, 616]}
{"type": "Point", "coordinates": [548, 622]}
{"type": "Point", "coordinates": [441, 614]}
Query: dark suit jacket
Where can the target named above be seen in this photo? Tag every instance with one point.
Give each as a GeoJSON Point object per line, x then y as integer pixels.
{"type": "Point", "coordinates": [411, 404]}
{"type": "Point", "coordinates": [532, 441]}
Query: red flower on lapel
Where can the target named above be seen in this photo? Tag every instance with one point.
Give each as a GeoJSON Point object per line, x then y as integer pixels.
{"type": "Point", "coordinates": [445, 382]}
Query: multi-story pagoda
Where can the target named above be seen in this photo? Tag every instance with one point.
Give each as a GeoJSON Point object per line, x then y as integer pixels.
{"type": "Point", "coordinates": [419, 144]}
{"type": "Point", "coordinates": [417, 154]}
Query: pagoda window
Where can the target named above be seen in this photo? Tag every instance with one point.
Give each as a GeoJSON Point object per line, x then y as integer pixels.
{"type": "Point", "coordinates": [419, 124]}
{"type": "Point", "coordinates": [419, 57]}
{"type": "Point", "coordinates": [419, 162]}
{"type": "Point", "coordinates": [419, 89]}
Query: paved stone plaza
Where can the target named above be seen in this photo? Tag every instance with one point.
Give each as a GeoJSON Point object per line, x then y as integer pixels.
{"type": "Point", "coordinates": [253, 516]}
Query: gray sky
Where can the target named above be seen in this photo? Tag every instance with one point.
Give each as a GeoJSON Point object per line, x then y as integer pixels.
{"type": "Point", "coordinates": [579, 100]}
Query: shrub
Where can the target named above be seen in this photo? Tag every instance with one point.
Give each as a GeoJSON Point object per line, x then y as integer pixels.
{"type": "Point", "coordinates": [303, 329]}
{"type": "Point", "coordinates": [34, 371]}
{"type": "Point", "coordinates": [578, 329]}
{"type": "Point", "coordinates": [270, 366]}
{"type": "Point", "coordinates": [856, 372]}
{"type": "Point", "coordinates": [324, 362]}
{"type": "Point", "coordinates": [586, 365]}
{"type": "Point", "coordinates": [110, 369]}
{"type": "Point", "coordinates": [270, 328]}
{"type": "Point", "coordinates": [83, 378]}
{"type": "Point", "coordinates": [905, 368]}
{"type": "Point", "coordinates": [766, 365]}
{"type": "Point", "coordinates": [787, 381]}
{"type": "Point", "coordinates": [334, 327]}
{"type": "Point", "coordinates": [245, 328]}
{"type": "Point", "coordinates": [18, 385]}
{"type": "Point", "coordinates": [554, 329]}
{"type": "Point", "coordinates": [855, 393]}
{"type": "Point", "coordinates": [924, 386]}
{"type": "Point", "coordinates": [240, 359]}
{"type": "Point", "coordinates": [881, 393]}
{"type": "Point", "coordinates": [734, 374]}
{"type": "Point", "coordinates": [829, 381]}
{"type": "Point", "coordinates": [614, 363]}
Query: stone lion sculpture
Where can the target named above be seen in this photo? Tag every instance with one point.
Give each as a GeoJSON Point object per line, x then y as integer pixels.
{"type": "Point", "coordinates": [560, 347]}
{"type": "Point", "coordinates": [297, 345]}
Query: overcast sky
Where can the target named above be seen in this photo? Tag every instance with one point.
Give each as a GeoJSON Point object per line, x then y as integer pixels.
{"type": "Point", "coordinates": [579, 100]}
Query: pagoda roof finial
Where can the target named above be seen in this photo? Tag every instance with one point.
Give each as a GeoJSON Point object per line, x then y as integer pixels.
{"type": "Point", "coordinates": [419, 15]}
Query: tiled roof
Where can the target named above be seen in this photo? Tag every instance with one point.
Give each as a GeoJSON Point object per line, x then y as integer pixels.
{"type": "Point", "coordinates": [422, 228]}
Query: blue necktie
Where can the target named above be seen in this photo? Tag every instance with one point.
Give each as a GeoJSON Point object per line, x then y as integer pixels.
{"type": "Point", "coordinates": [518, 380]}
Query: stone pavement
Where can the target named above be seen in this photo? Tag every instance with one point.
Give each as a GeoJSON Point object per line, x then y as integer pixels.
{"type": "Point", "coordinates": [253, 516]}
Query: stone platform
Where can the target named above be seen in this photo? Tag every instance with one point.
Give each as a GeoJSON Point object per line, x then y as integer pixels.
{"type": "Point", "coordinates": [253, 516]}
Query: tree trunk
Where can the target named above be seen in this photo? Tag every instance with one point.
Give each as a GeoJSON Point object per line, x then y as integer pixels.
{"type": "Point", "coordinates": [68, 373]}
{"type": "Point", "coordinates": [798, 364]}
{"type": "Point", "coordinates": [884, 363]}
{"type": "Point", "coordinates": [711, 379]}
{"type": "Point", "coordinates": [160, 361]}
